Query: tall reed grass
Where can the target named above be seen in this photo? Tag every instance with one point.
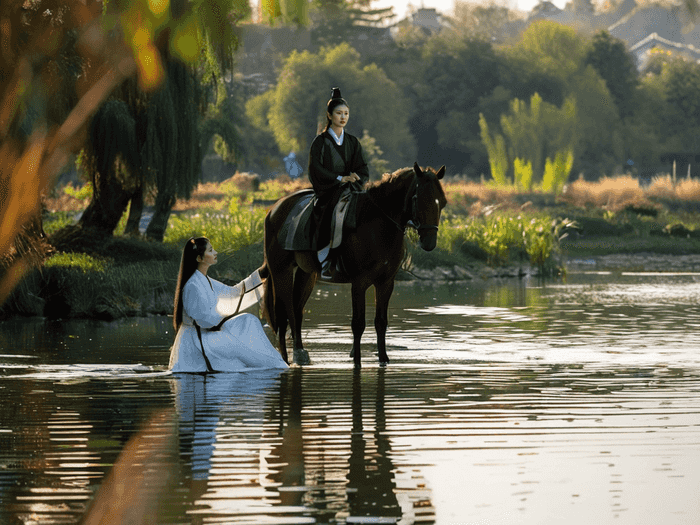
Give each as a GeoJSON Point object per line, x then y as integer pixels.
{"type": "Point", "coordinates": [506, 239]}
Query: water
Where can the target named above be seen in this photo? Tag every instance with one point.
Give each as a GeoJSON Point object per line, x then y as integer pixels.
{"type": "Point", "coordinates": [510, 402]}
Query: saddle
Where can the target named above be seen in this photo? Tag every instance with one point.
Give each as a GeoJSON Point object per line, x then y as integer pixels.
{"type": "Point", "coordinates": [296, 233]}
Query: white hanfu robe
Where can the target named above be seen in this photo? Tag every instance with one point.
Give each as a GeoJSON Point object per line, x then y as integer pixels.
{"type": "Point", "coordinates": [240, 345]}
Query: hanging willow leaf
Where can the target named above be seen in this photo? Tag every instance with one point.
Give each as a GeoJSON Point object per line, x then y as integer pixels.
{"type": "Point", "coordinates": [112, 135]}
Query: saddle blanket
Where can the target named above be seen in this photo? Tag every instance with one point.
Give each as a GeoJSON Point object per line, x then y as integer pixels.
{"type": "Point", "coordinates": [296, 232]}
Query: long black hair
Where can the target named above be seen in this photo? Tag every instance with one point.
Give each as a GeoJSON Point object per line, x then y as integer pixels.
{"type": "Point", "coordinates": [335, 101]}
{"type": "Point", "coordinates": [188, 264]}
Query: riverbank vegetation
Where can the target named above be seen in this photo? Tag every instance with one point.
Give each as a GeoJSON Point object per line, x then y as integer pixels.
{"type": "Point", "coordinates": [486, 230]}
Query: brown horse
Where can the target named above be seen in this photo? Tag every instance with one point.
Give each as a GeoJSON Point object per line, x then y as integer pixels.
{"type": "Point", "coordinates": [371, 254]}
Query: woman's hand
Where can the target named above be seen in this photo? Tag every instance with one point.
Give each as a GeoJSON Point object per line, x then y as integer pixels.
{"type": "Point", "coordinates": [353, 177]}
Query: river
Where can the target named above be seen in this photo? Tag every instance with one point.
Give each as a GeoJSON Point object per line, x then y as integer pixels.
{"type": "Point", "coordinates": [509, 401]}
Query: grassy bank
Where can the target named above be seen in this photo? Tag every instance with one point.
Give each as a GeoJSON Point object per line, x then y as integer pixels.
{"type": "Point", "coordinates": [122, 277]}
{"type": "Point", "coordinates": [483, 227]}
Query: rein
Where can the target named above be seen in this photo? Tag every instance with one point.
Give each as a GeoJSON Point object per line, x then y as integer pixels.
{"type": "Point", "coordinates": [413, 222]}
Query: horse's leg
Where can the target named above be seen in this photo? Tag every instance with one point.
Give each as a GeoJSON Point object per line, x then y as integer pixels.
{"type": "Point", "coordinates": [282, 335]}
{"type": "Point", "coordinates": [283, 286]}
{"type": "Point", "coordinates": [303, 286]}
{"type": "Point", "coordinates": [382, 294]}
{"type": "Point", "coordinates": [358, 320]}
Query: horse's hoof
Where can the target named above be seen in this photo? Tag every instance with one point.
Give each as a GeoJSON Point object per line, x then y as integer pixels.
{"type": "Point", "coordinates": [301, 357]}
{"type": "Point", "coordinates": [384, 362]}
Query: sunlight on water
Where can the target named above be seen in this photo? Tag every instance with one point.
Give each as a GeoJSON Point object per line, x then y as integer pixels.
{"type": "Point", "coordinates": [571, 403]}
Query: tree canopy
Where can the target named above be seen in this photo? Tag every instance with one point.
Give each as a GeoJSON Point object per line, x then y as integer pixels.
{"type": "Point", "coordinates": [295, 109]}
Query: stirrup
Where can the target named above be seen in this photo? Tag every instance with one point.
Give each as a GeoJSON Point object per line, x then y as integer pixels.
{"type": "Point", "coordinates": [327, 270]}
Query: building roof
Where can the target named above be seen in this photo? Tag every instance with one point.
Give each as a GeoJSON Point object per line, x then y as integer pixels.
{"type": "Point", "coordinates": [654, 41]}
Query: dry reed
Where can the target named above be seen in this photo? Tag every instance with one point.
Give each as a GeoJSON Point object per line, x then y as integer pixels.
{"type": "Point", "coordinates": [613, 194]}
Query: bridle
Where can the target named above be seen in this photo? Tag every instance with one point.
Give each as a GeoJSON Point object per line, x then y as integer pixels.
{"type": "Point", "coordinates": [413, 221]}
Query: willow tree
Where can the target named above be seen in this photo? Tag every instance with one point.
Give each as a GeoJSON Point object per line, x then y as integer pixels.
{"type": "Point", "coordinates": [146, 138]}
{"type": "Point", "coordinates": [60, 60]}
{"type": "Point", "coordinates": [57, 65]}
{"type": "Point", "coordinates": [172, 155]}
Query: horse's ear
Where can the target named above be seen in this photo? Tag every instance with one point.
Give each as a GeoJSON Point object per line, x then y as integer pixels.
{"type": "Point", "coordinates": [441, 172]}
{"type": "Point", "coordinates": [417, 169]}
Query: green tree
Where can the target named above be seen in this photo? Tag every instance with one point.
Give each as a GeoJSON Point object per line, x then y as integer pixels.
{"type": "Point", "coordinates": [454, 72]}
{"type": "Point", "coordinates": [538, 131]}
{"type": "Point", "coordinates": [533, 134]}
{"type": "Point", "coordinates": [482, 21]}
{"type": "Point", "coordinates": [558, 53]}
{"type": "Point", "coordinates": [337, 21]}
{"type": "Point", "coordinates": [551, 47]}
{"type": "Point", "coordinates": [294, 111]}
{"type": "Point", "coordinates": [166, 109]}
{"type": "Point", "coordinates": [667, 121]}
{"type": "Point", "coordinates": [681, 79]}
{"type": "Point", "coordinates": [616, 65]}
{"type": "Point", "coordinates": [498, 156]}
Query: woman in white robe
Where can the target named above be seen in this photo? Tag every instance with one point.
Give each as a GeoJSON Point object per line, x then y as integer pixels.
{"type": "Point", "coordinates": [211, 334]}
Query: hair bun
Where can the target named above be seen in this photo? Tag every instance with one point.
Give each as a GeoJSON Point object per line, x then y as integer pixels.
{"type": "Point", "coordinates": [335, 93]}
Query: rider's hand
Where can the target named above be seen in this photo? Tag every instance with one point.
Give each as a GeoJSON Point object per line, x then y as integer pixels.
{"type": "Point", "coordinates": [353, 177]}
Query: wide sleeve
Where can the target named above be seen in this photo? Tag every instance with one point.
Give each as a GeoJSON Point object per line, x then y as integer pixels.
{"type": "Point", "coordinates": [322, 178]}
{"type": "Point", "coordinates": [234, 299]}
{"type": "Point", "coordinates": [358, 163]}
{"type": "Point", "coordinates": [200, 304]}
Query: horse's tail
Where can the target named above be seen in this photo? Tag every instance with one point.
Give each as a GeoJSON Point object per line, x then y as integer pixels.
{"type": "Point", "coordinates": [268, 306]}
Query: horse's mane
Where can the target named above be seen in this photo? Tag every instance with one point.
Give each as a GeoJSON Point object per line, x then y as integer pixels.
{"type": "Point", "coordinates": [390, 183]}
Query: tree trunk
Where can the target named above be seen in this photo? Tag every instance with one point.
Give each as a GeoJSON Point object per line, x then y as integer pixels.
{"type": "Point", "coordinates": [161, 214]}
{"type": "Point", "coordinates": [98, 221]}
{"type": "Point", "coordinates": [135, 212]}
{"type": "Point", "coordinates": [106, 208]}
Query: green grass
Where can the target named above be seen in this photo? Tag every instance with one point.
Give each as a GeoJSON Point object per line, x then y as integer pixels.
{"type": "Point", "coordinates": [79, 261]}
{"type": "Point", "coordinates": [55, 221]}
{"type": "Point", "coordinates": [229, 231]}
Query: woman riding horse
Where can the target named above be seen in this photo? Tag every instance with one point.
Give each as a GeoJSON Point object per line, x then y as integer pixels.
{"type": "Point", "coordinates": [335, 160]}
{"type": "Point", "coordinates": [371, 253]}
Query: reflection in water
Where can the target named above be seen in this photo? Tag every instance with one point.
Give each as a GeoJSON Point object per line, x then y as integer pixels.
{"type": "Point", "coordinates": [258, 455]}
{"type": "Point", "coordinates": [371, 487]}
{"type": "Point", "coordinates": [571, 403]}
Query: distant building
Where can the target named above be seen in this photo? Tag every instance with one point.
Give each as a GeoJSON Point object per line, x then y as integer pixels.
{"type": "Point", "coordinates": [544, 9]}
{"type": "Point", "coordinates": [427, 19]}
{"type": "Point", "coordinates": [642, 50]}
{"type": "Point", "coordinates": [583, 19]}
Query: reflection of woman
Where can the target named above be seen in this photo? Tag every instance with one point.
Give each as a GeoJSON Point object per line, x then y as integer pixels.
{"type": "Point", "coordinates": [210, 333]}
{"type": "Point", "coordinates": [335, 160]}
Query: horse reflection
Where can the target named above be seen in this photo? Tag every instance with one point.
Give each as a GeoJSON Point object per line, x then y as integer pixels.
{"type": "Point", "coordinates": [311, 466]}
{"type": "Point", "coordinates": [371, 484]}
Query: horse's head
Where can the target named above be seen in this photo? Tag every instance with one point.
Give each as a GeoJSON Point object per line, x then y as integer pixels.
{"type": "Point", "coordinates": [427, 204]}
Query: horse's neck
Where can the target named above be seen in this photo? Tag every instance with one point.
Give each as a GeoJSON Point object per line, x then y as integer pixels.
{"type": "Point", "coordinates": [393, 197]}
